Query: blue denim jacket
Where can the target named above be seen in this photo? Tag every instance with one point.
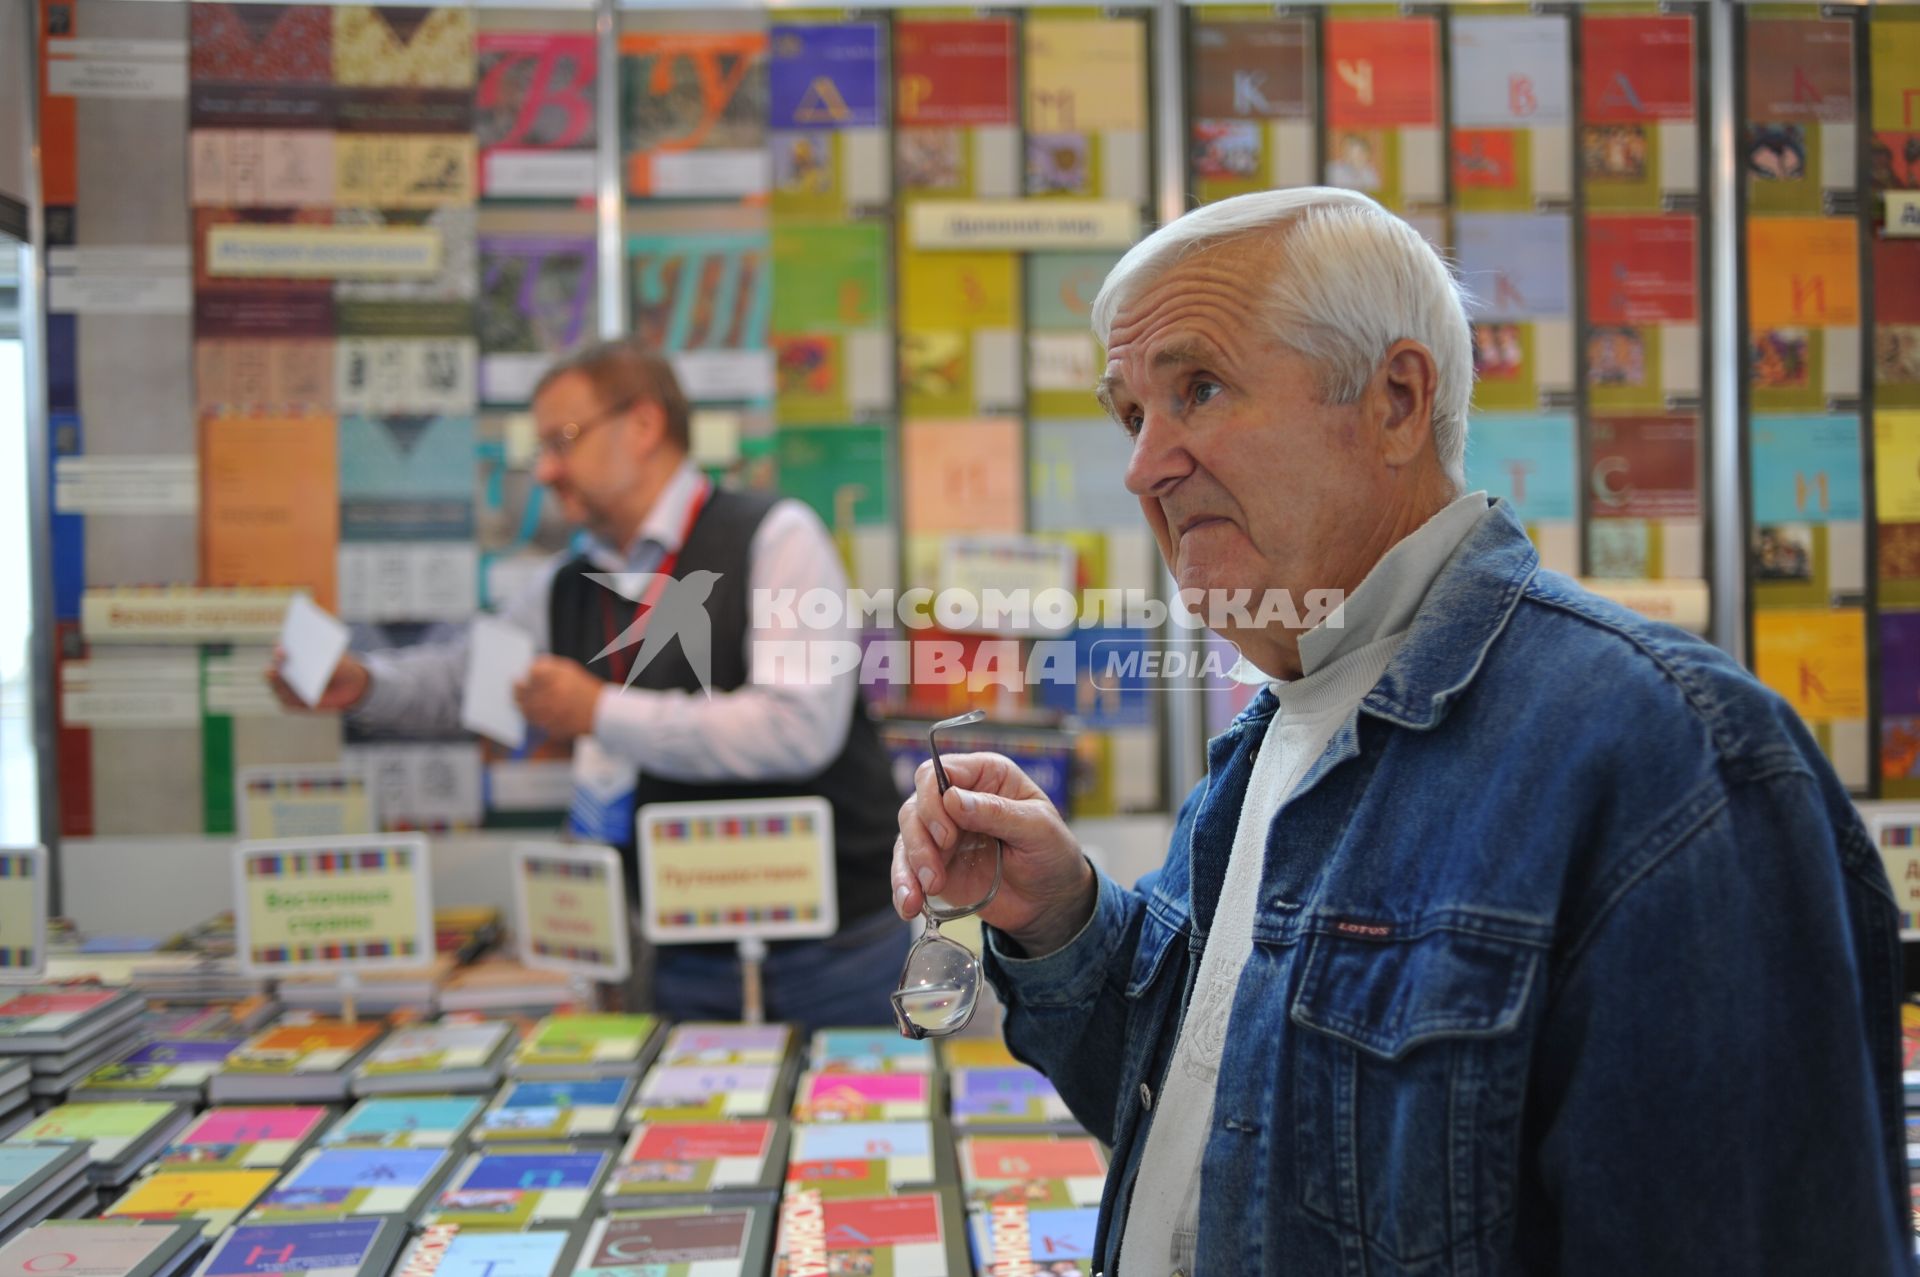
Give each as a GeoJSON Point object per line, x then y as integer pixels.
{"type": "Point", "coordinates": [1571, 957]}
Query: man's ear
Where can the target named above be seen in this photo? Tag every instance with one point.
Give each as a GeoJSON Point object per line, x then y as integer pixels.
{"type": "Point", "coordinates": [1407, 383]}
{"type": "Point", "coordinates": [651, 421]}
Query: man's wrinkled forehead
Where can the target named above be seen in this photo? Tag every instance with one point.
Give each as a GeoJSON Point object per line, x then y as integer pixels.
{"type": "Point", "coordinates": [1180, 352]}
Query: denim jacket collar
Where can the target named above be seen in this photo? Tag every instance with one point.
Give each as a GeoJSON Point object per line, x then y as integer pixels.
{"type": "Point", "coordinates": [1465, 611]}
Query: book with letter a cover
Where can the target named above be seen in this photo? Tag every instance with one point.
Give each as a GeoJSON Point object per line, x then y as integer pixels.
{"type": "Point", "coordinates": [332, 1248]}
{"type": "Point", "coordinates": [330, 1183]}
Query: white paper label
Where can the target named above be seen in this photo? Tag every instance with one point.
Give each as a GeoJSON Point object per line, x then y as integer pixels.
{"type": "Point", "coordinates": [737, 172]}
{"type": "Point", "coordinates": [538, 174]}
{"type": "Point", "coordinates": [116, 78]}
{"type": "Point", "coordinates": [126, 485]}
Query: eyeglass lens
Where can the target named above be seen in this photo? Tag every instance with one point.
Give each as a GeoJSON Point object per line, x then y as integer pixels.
{"type": "Point", "coordinates": [940, 984]}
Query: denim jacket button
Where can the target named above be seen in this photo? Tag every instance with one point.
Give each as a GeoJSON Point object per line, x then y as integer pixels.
{"type": "Point", "coordinates": [1146, 1097]}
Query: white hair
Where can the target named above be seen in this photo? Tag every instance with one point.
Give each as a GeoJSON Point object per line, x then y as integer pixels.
{"type": "Point", "coordinates": [1354, 279]}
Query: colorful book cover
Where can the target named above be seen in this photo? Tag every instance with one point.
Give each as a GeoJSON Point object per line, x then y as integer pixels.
{"type": "Point", "coordinates": [1645, 467]}
{"type": "Point", "coordinates": [261, 68]}
{"type": "Point", "coordinates": [669, 1159]}
{"type": "Point", "coordinates": [237, 1138]}
{"type": "Point", "coordinates": [20, 1162]}
{"type": "Point", "coordinates": [719, 1045]}
{"type": "Point", "coordinates": [435, 1048]}
{"type": "Point", "coordinates": [110, 1128]}
{"type": "Point", "coordinates": [690, 1092]}
{"type": "Point", "coordinates": [903, 1234]}
{"type": "Point", "coordinates": [826, 131]}
{"type": "Point", "coordinates": [445, 1250]}
{"type": "Point", "coordinates": [863, 1097]}
{"type": "Point", "coordinates": [332, 1182]}
{"type": "Point", "coordinates": [986, 1097]}
{"type": "Point", "coordinates": [869, 1051]}
{"type": "Point", "coordinates": [1528, 460]}
{"type": "Point", "coordinates": [864, 1159]}
{"type": "Point", "coordinates": [1253, 90]}
{"type": "Point", "coordinates": [414, 1121]}
{"type": "Point", "coordinates": [213, 1198]}
{"type": "Point", "coordinates": [407, 477]}
{"type": "Point", "coordinates": [681, 1241]}
{"type": "Point", "coordinates": [335, 1248]}
{"type": "Point", "coordinates": [534, 114]}
{"type": "Point", "coordinates": [956, 108]}
{"type": "Point", "coordinates": [1011, 1237]}
{"type": "Point", "coordinates": [1052, 1171]}
{"type": "Point", "coordinates": [295, 1050]}
{"type": "Point", "coordinates": [585, 1041]}
{"type": "Point", "coordinates": [976, 1053]}
{"type": "Point", "coordinates": [704, 300]}
{"type": "Point", "coordinates": [99, 1248]}
{"type": "Point", "coordinates": [831, 339]}
{"type": "Point", "coordinates": [583, 1108]}
{"type": "Point", "coordinates": [536, 304]}
{"type": "Point", "coordinates": [693, 113]}
{"type": "Point", "coordinates": [548, 1184]}
{"type": "Point", "coordinates": [171, 1064]}
{"type": "Point", "coordinates": [34, 1011]}
{"type": "Point", "coordinates": [1637, 132]}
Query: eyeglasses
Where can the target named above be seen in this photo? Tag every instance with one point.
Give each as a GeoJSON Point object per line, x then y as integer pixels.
{"type": "Point", "coordinates": [940, 984]}
{"type": "Point", "coordinates": [560, 441]}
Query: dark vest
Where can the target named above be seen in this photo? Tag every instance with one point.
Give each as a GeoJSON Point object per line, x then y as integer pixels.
{"type": "Point", "coordinates": [582, 614]}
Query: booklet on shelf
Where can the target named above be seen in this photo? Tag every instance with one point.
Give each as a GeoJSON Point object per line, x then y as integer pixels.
{"type": "Point", "coordinates": [529, 1111]}
{"type": "Point", "coordinates": [409, 1121]}
{"type": "Point", "coordinates": [37, 1178]}
{"type": "Point", "coordinates": [53, 1019]}
{"type": "Point", "coordinates": [325, 1248]}
{"type": "Point", "coordinates": [715, 1045]}
{"type": "Point", "coordinates": [121, 1137]}
{"type": "Point", "coordinates": [242, 1137]}
{"type": "Point", "coordinates": [863, 1097]}
{"type": "Point", "coordinates": [734, 1240]}
{"type": "Point", "coordinates": [436, 1058]}
{"type": "Point", "coordinates": [1040, 1170]}
{"type": "Point", "coordinates": [520, 1188]}
{"type": "Point", "coordinates": [897, 1233]}
{"type": "Point", "coordinates": [672, 1163]}
{"type": "Point", "coordinates": [985, 1098]}
{"type": "Point", "coordinates": [696, 1092]}
{"type": "Point", "coordinates": [868, 1051]}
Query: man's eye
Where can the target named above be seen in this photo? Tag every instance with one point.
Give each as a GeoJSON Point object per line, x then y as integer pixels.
{"type": "Point", "coordinates": [1131, 422]}
{"type": "Point", "coordinates": [1205, 390]}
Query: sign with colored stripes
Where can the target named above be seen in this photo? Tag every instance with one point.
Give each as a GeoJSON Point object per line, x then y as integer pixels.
{"type": "Point", "coordinates": [304, 800]}
{"type": "Point", "coordinates": [570, 909]}
{"type": "Point", "coordinates": [727, 871]}
{"type": "Point", "coordinates": [1896, 831]}
{"type": "Point", "coordinates": [312, 904]}
{"type": "Point", "coordinates": [23, 913]}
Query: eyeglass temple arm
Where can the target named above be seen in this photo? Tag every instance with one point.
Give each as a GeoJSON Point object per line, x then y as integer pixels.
{"type": "Point", "coordinates": [933, 745]}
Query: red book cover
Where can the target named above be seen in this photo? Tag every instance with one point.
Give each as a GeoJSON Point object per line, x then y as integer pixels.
{"type": "Point", "coordinates": [954, 73]}
{"type": "Point", "coordinates": [1646, 467]}
{"type": "Point", "coordinates": [1382, 72]}
{"type": "Point", "coordinates": [1637, 68]}
{"type": "Point", "coordinates": [1641, 270]}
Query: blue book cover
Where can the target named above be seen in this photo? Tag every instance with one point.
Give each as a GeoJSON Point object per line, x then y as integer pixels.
{"type": "Point", "coordinates": [21, 1162]}
{"type": "Point", "coordinates": [540, 1172]}
{"type": "Point", "coordinates": [366, 1168]}
{"type": "Point", "coordinates": [405, 1121]}
{"type": "Point", "coordinates": [315, 1250]}
{"type": "Point", "coordinates": [502, 1254]}
{"type": "Point", "coordinates": [564, 1094]}
{"type": "Point", "coordinates": [1039, 1237]}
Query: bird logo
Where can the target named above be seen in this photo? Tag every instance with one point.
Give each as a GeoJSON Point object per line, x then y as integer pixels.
{"type": "Point", "coordinates": [679, 611]}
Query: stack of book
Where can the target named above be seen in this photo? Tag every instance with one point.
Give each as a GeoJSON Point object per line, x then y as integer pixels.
{"type": "Point", "coordinates": [295, 1062]}
{"type": "Point", "coordinates": [1024, 1188]}
{"type": "Point", "coordinates": [16, 1094]}
{"type": "Point", "coordinates": [213, 1199]}
{"type": "Point", "coordinates": [539, 1252]}
{"type": "Point", "coordinates": [502, 985]}
{"type": "Point", "coordinates": [678, 1163]}
{"type": "Point", "coordinates": [66, 1032]}
{"type": "Point", "coordinates": [587, 1045]}
{"type": "Point", "coordinates": [338, 1183]}
{"type": "Point", "coordinates": [244, 1139]}
{"type": "Point", "coordinates": [375, 993]}
{"type": "Point", "coordinates": [413, 1121]}
{"type": "Point", "coordinates": [437, 1058]}
{"type": "Point", "coordinates": [173, 1069]}
{"type": "Point", "coordinates": [543, 1185]}
{"type": "Point", "coordinates": [40, 1181]}
{"type": "Point", "coordinates": [735, 1238]}
{"type": "Point", "coordinates": [121, 1138]}
{"type": "Point", "coordinates": [334, 1248]}
{"type": "Point", "coordinates": [529, 1111]}
{"type": "Point", "coordinates": [104, 1248]}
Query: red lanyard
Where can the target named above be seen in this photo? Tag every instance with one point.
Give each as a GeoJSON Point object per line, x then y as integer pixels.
{"type": "Point", "coordinates": [643, 610]}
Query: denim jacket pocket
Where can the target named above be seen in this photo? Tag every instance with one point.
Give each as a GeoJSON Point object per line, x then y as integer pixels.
{"type": "Point", "coordinates": [1408, 1084]}
{"type": "Point", "coordinates": [1150, 954]}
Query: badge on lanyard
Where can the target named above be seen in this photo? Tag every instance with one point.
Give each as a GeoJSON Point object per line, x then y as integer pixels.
{"type": "Point", "coordinates": [603, 795]}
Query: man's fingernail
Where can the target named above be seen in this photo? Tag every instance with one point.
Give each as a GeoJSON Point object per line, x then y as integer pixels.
{"type": "Point", "coordinates": [899, 897]}
{"type": "Point", "coordinates": [967, 801]}
{"type": "Point", "coordinates": [925, 875]}
{"type": "Point", "coordinates": [938, 830]}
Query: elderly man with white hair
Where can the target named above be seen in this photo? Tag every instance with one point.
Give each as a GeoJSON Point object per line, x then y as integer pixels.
{"type": "Point", "coordinates": [1509, 932]}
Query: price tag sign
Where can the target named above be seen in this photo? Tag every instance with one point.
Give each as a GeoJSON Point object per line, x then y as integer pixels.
{"type": "Point", "coordinates": [1896, 831]}
{"type": "Point", "coordinates": [761, 868]}
{"type": "Point", "coordinates": [23, 913]}
{"type": "Point", "coordinates": [322, 800]}
{"type": "Point", "coordinates": [570, 909]}
{"type": "Point", "coordinates": [331, 904]}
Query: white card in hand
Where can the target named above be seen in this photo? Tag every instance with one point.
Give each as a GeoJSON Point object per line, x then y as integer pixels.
{"type": "Point", "coordinates": [313, 640]}
{"type": "Point", "coordinates": [497, 657]}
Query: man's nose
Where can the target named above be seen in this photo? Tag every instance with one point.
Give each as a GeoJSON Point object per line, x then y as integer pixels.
{"type": "Point", "coordinates": [546, 469]}
{"type": "Point", "coordinates": [1160, 459]}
